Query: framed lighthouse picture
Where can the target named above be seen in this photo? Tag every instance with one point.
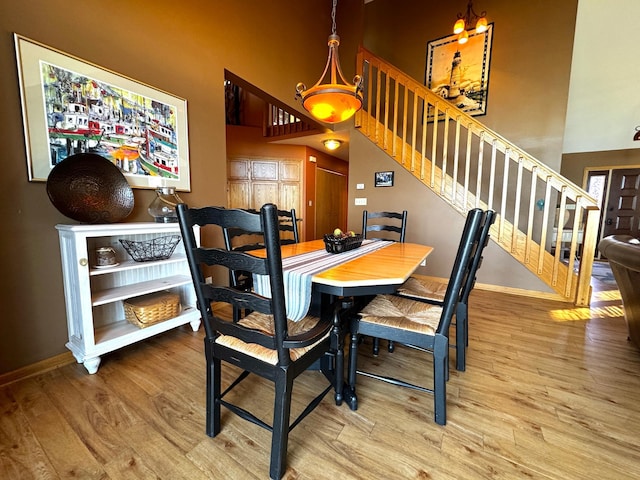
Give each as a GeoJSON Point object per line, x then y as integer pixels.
{"type": "Point", "coordinates": [71, 106]}
{"type": "Point", "coordinates": [459, 73]}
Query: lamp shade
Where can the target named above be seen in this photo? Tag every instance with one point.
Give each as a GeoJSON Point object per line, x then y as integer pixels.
{"type": "Point", "coordinates": [332, 103]}
{"type": "Point", "coordinates": [459, 26]}
{"type": "Point", "coordinates": [481, 25]}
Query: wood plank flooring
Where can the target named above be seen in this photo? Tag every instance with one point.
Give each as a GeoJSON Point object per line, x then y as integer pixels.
{"type": "Point", "coordinates": [550, 392]}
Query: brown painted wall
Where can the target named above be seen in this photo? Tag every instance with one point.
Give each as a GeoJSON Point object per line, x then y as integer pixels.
{"type": "Point", "coordinates": [180, 47]}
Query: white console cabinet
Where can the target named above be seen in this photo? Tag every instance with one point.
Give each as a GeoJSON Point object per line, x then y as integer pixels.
{"type": "Point", "coordinates": [94, 296]}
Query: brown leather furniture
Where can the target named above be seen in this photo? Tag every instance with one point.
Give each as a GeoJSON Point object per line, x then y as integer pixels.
{"type": "Point", "coordinates": [623, 253]}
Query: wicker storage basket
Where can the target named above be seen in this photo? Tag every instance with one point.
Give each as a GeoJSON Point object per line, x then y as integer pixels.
{"type": "Point", "coordinates": [335, 244]}
{"type": "Point", "coordinates": [149, 309]}
{"type": "Point", "coordinates": [159, 248]}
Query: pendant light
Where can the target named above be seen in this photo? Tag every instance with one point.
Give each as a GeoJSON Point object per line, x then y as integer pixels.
{"type": "Point", "coordinates": [466, 20]}
{"type": "Point", "coordinates": [332, 102]}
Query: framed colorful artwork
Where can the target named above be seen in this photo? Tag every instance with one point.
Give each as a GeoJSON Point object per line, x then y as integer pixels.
{"type": "Point", "coordinates": [460, 73]}
{"type": "Point", "coordinates": [72, 106]}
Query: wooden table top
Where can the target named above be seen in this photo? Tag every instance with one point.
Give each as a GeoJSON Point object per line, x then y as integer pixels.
{"type": "Point", "coordinates": [391, 265]}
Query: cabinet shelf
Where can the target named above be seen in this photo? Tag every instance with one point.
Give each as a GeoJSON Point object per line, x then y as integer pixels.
{"type": "Point", "coordinates": [133, 290]}
{"type": "Point", "coordinates": [125, 333]}
{"type": "Point", "coordinates": [132, 265]}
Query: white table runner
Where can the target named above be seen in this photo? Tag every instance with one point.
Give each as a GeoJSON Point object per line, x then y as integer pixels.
{"type": "Point", "coordinates": [299, 270]}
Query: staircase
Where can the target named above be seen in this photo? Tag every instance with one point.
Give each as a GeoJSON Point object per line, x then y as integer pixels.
{"type": "Point", "coordinates": [544, 220]}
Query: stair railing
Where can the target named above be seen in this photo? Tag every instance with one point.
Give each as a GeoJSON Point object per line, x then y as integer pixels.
{"type": "Point", "coordinates": [544, 220]}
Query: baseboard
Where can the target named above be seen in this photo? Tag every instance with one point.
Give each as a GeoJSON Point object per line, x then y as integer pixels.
{"type": "Point", "coordinates": [508, 290]}
{"type": "Point", "coordinates": [37, 368]}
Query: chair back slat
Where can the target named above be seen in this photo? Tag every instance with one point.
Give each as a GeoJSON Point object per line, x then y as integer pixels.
{"type": "Point", "coordinates": [231, 259]}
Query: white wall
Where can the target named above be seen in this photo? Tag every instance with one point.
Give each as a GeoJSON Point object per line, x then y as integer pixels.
{"type": "Point", "coordinates": [604, 105]}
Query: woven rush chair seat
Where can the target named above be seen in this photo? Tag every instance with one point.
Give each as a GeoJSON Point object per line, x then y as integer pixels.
{"type": "Point", "coordinates": [423, 288]}
{"type": "Point", "coordinates": [264, 323]}
{"type": "Point", "coordinates": [398, 312]}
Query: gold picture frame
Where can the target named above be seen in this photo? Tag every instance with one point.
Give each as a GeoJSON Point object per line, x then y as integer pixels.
{"type": "Point", "coordinates": [72, 106]}
{"type": "Point", "coordinates": [460, 73]}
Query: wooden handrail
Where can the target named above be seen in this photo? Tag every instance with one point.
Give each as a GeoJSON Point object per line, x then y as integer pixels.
{"type": "Point", "coordinates": [540, 213]}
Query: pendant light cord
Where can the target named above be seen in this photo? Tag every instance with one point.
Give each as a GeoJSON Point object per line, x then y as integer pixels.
{"type": "Point", "coordinates": [333, 17]}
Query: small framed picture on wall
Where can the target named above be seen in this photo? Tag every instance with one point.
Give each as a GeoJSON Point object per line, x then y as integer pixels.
{"type": "Point", "coordinates": [384, 179]}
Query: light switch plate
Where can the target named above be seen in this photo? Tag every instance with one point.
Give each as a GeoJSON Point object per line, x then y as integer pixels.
{"type": "Point", "coordinates": [359, 186]}
{"type": "Point", "coordinates": [361, 201]}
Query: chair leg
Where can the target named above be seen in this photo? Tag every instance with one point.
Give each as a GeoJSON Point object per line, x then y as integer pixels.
{"type": "Point", "coordinates": [376, 346]}
{"type": "Point", "coordinates": [440, 368]}
{"type": "Point", "coordinates": [338, 335]}
{"type": "Point", "coordinates": [213, 391]}
{"type": "Point", "coordinates": [353, 361]}
{"type": "Point", "coordinates": [465, 316]}
{"type": "Point", "coordinates": [462, 337]}
{"type": "Point", "coordinates": [280, 433]}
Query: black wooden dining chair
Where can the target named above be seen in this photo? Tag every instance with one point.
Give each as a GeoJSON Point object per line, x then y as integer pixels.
{"type": "Point", "coordinates": [288, 225]}
{"type": "Point", "coordinates": [433, 291]}
{"type": "Point", "coordinates": [419, 325]}
{"type": "Point", "coordinates": [264, 342]}
{"type": "Point", "coordinates": [388, 226]}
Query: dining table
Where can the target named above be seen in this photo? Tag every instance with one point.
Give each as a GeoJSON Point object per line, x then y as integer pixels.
{"type": "Point", "coordinates": [376, 267]}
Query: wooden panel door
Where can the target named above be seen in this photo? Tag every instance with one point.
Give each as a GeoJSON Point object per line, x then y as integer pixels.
{"type": "Point", "coordinates": [289, 197]}
{"type": "Point", "coordinates": [331, 192]}
{"type": "Point", "coordinates": [290, 171]}
{"type": "Point", "coordinates": [264, 170]}
{"type": "Point", "coordinates": [263, 192]}
{"type": "Point", "coordinates": [239, 194]}
{"type": "Point", "coordinates": [239, 169]}
{"type": "Point", "coordinates": [622, 214]}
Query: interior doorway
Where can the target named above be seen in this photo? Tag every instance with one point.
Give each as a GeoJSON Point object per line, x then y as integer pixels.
{"type": "Point", "coordinates": [331, 201]}
{"type": "Point", "coordinates": [617, 190]}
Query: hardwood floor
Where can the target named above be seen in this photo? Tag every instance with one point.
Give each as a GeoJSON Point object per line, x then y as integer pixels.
{"type": "Point", "coordinates": [550, 392]}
